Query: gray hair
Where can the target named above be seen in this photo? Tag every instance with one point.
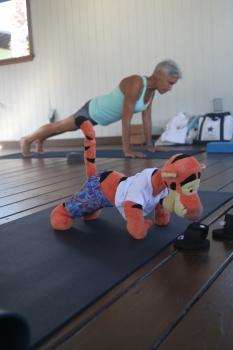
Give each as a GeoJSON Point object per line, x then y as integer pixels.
{"type": "Point", "coordinates": [170, 67]}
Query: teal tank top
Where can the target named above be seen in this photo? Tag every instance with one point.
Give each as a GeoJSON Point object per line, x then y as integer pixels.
{"type": "Point", "coordinates": [108, 109]}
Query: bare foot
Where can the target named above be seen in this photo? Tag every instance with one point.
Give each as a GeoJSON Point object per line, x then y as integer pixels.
{"type": "Point", "coordinates": [25, 147]}
{"type": "Point", "coordinates": [133, 154]}
{"type": "Point", "coordinates": [39, 146]}
{"type": "Point", "coordinates": [151, 148]}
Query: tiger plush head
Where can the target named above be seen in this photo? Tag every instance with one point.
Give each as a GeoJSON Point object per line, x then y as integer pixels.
{"type": "Point", "coordinates": [181, 174]}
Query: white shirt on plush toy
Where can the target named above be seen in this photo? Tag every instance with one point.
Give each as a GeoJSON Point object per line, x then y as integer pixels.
{"type": "Point", "coordinates": [138, 189]}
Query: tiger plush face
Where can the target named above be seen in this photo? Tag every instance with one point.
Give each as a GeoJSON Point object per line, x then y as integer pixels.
{"type": "Point", "coordinates": [181, 174]}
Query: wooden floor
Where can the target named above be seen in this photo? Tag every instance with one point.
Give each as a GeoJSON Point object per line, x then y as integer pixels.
{"type": "Point", "coordinates": [176, 301]}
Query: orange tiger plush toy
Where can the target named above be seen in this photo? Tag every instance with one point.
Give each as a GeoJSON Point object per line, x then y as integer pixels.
{"type": "Point", "coordinates": [170, 189]}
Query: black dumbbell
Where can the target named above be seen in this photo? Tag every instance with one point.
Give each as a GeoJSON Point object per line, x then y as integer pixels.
{"type": "Point", "coordinates": [225, 233]}
{"type": "Point", "coordinates": [194, 237]}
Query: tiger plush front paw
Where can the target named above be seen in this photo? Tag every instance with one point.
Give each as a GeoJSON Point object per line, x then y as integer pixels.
{"type": "Point", "coordinates": [163, 220]}
{"type": "Point", "coordinates": [162, 216]}
{"type": "Point", "coordinates": [139, 231]}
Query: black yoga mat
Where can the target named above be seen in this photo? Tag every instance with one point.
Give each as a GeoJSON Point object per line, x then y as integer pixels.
{"type": "Point", "coordinates": [49, 277]}
{"type": "Point", "coordinates": [117, 153]}
{"type": "Point", "coordinates": [104, 153]}
{"type": "Point", "coordinates": [50, 154]}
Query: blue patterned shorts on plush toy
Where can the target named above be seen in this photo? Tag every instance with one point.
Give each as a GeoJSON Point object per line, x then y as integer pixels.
{"type": "Point", "coordinates": [89, 199]}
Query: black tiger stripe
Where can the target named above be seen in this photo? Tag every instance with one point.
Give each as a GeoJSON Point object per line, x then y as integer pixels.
{"type": "Point", "coordinates": [181, 156]}
{"type": "Point", "coordinates": [173, 186]}
{"type": "Point", "coordinates": [123, 178]}
{"type": "Point", "coordinates": [154, 172]}
{"type": "Point", "coordinates": [91, 160]}
{"type": "Point", "coordinates": [88, 137]}
{"type": "Point", "coordinates": [189, 179]}
{"type": "Point", "coordinates": [104, 175]}
{"type": "Point", "coordinates": [138, 206]}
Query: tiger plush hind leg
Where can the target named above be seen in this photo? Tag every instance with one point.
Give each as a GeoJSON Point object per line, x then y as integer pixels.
{"type": "Point", "coordinates": [60, 216]}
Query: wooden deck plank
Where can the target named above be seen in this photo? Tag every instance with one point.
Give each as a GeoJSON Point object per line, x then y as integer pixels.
{"type": "Point", "coordinates": [220, 181]}
{"type": "Point", "coordinates": [208, 324]}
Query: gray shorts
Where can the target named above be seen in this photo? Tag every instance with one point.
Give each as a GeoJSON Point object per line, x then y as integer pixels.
{"type": "Point", "coordinates": [83, 113]}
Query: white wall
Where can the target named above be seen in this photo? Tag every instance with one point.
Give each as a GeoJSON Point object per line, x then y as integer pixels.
{"type": "Point", "coordinates": [84, 47]}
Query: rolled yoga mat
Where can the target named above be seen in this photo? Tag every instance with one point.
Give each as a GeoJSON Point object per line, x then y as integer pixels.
{"type": "Point", "coordinates": [219, 147]}
{"type": "Point", "coordinates": [49, 277]}
{"type": "Point", "coordinates": [14, 331]}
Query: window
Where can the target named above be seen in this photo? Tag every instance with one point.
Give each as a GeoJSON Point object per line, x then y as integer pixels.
{"type": "Point", "coordinates": [15, 31]}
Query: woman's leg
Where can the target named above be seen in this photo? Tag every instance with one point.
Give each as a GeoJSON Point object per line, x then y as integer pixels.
{"type": "Point", "coordinates": [45, 131]}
